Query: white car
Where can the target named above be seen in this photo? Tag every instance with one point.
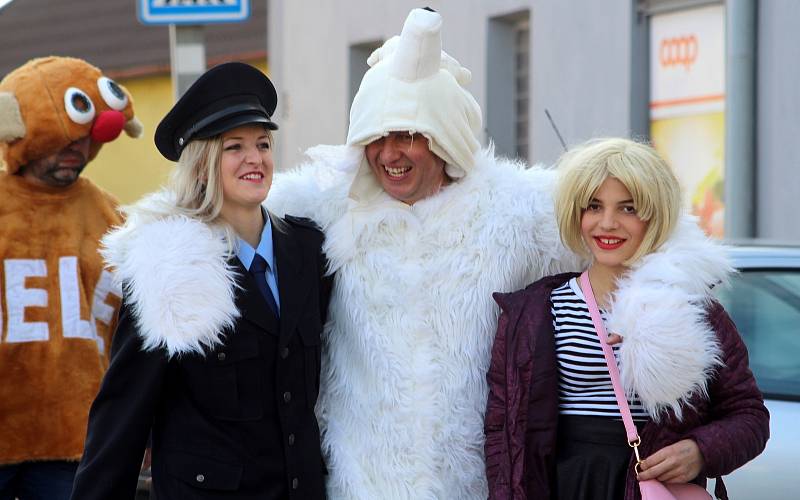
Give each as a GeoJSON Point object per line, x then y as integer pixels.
{"type": "Point", "coordinates": [764, 302]}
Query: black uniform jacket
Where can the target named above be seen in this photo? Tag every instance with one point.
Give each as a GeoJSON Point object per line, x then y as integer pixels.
{"type": "Point", "coordinates": [235, 423]}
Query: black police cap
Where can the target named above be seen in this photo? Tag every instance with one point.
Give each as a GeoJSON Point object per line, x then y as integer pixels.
{"type": "Point", "coordinates": [224, 97]}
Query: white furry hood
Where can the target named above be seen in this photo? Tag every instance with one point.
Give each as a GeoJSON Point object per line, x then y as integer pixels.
{"type": "Point", "coordinates": [175, 276]}
{"type": "Point", "coordinates": [669, 351]}
{"type": "Point", "coordinates": [413, 85]}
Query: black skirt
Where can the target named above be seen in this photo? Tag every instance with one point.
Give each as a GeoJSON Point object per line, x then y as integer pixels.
{"type": "Point", "coordinates": [592, 458]}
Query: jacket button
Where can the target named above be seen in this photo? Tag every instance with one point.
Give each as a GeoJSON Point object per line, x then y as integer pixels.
{"type": "Point", "coordinates": [221, 356]}
{"type": "Point", "coordinates": [284, 353]}
{"type": "Point", "coordinates": [291, 439]}
{"type": "Point", "coordinates": [295, 483]}
{"type": "Point", "coordinates": [287, 396]}
{"type": "Point", "coordinates": [200, 478]}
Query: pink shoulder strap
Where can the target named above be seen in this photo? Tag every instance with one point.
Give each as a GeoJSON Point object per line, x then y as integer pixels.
{"type": "Point", "coordinates": [624, 409]}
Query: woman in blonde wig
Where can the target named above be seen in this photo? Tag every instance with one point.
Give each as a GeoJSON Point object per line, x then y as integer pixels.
{"type": "Point", "coordinates": [553, 424]}
{"type": "Point", "coordinates": [217, 351]}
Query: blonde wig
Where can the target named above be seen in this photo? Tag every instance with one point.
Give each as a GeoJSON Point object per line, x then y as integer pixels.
{"type": "Point", "coordinates": [653, 186]}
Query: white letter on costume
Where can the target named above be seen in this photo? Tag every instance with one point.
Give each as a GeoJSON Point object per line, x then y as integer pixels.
{"type": "Point", "coordinates": [71, 323]}
{"type": "Point", "coordinates": [103, 312]}
{"type": "Point", "coordinates": [18, 298]}
{"type": "Point", "coordinates": [105, 286]}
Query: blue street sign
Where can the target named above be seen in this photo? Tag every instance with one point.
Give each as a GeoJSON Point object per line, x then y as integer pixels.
{"type": "Point", "coordinates": [192, 11]}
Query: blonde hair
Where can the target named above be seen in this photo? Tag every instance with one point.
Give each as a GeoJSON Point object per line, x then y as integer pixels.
{"type": "Point", "coordinates": [653, 186]}
{"type": "Point", "coordinates": [196, 181]}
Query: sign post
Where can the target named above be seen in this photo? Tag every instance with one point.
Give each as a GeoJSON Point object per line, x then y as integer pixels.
{"type": "Point", "coordinates": [187, 56]}
{"type": "Point", "coordinates": [186, 38]}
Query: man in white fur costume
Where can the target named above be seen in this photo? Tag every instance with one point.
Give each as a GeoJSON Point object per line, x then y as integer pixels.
{"type": "Point", "coordinates": [421, 227]}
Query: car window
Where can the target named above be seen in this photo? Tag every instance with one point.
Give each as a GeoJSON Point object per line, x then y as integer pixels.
{"type": "Point", "coordinates": [765, 305]}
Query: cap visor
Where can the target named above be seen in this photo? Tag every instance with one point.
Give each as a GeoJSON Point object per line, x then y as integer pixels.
{"type": "Point", "coordinates": [231, 122]}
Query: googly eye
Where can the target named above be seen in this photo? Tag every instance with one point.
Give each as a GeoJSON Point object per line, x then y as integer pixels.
{"type": "Point", "coordinates": [79, 106]}
{"type": "Point", "coordinates": [112, 93]}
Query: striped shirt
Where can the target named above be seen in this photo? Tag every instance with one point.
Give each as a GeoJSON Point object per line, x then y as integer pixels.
{"type": "Point", "coordinates": [584, 383]}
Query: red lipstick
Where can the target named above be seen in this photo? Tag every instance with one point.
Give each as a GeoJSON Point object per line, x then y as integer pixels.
{"type": "Point", "coordinates": [616, 242]}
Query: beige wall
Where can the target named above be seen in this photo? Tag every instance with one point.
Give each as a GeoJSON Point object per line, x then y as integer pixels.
{"type": "Point", "coordinates": [129, 168]}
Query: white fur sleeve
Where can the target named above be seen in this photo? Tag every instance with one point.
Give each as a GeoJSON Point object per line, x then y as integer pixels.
{"type": "Point", "coordinates": [553, 255]}
{"type": "Point", "coordinates": [315, 189]}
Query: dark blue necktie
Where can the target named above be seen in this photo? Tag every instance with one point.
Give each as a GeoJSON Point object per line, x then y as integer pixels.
{"type": "Point", "coordinates": [258, 269]}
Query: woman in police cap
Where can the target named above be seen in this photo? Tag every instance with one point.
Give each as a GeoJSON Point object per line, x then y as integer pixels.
{"type": "Point", "coordinates": [216, 354]}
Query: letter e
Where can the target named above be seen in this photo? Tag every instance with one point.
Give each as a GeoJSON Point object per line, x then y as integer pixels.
{"type": "Point", "coordinates": [18, 298]}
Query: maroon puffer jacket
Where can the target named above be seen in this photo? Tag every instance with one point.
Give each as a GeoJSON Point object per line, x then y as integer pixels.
{"type": "Point", "coordinates": [730, 426]}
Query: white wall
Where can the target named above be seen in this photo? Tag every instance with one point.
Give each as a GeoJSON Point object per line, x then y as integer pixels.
{"type": "Point", "coordinates": [778, 116]}
{"type": "Point", "coordinates": [583, 68]}
{"type": "Point", "coordinates": [584, 82]}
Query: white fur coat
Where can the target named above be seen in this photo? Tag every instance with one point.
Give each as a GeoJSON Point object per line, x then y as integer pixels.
{"type": "Point", "coordinates": [412, 320]}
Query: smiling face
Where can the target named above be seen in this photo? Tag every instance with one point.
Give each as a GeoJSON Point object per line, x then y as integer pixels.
{"type": "Point", "coordinates": [610, 226]}
{"type": "Point", "coordinates": [61, 169]}
{"type": "Point", "coordinates": [405, 166]}
{"type": "Point", "coordinates": [245, 167]}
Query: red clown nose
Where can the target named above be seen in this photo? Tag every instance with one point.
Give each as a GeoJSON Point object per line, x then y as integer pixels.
{"type": "Point", "coordinates": [108, 126]}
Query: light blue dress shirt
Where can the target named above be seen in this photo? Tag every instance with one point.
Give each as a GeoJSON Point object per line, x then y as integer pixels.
{"type": "Point", "coordinates": [245, 252]}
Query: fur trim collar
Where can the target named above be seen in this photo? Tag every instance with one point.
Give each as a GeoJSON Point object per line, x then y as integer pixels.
{"type": "Point", "coordinates": [669, 350]}
{"type": "Point", "coordinates": [176, 277]}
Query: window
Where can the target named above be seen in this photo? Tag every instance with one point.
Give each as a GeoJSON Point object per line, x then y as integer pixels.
{"type": "Point", "coordinates": [507, 85]}
{"type": "Point", "coordinates": [522, 58]}
{"type": "Point", "coordinates": [765, 305]}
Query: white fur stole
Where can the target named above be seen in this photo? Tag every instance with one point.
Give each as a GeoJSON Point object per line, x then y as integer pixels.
{"type": "Point", "coordinates": [175, 276]}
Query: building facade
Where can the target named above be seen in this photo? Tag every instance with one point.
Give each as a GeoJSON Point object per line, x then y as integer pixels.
{"type": "Point", "coordinates": [663, 70]}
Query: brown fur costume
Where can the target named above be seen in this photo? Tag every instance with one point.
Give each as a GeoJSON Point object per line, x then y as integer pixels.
{"type": "Point", "coordinates": [57, 303]}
